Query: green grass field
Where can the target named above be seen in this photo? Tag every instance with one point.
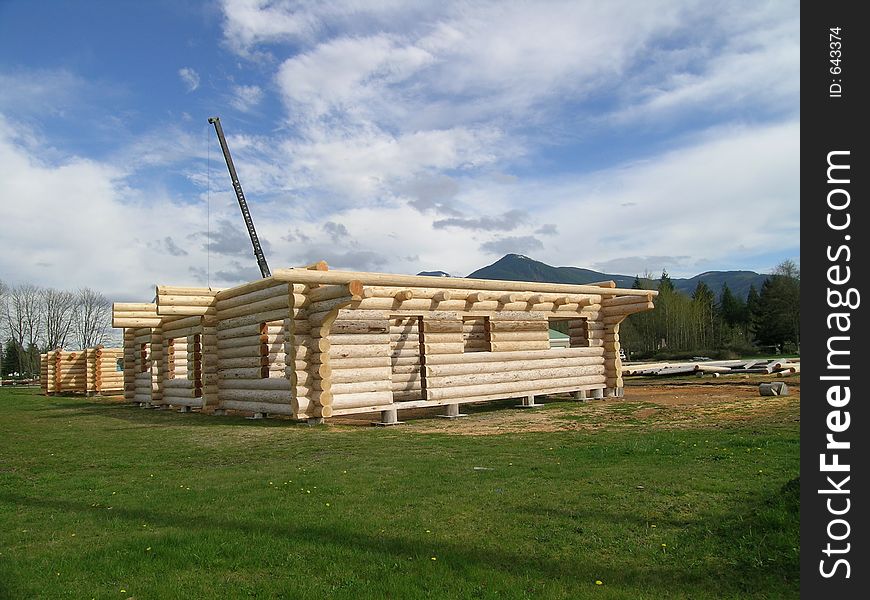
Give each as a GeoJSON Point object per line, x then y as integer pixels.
{"type": "Point", "coordinates": [102, 500]}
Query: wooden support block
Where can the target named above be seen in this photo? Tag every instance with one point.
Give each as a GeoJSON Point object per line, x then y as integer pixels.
{"type": "Point", "coordinates": [389, 417]}
{"type": "Point", "coordinates": [452, 412]}
{"type": "Point", "coordinates": [528, 402]}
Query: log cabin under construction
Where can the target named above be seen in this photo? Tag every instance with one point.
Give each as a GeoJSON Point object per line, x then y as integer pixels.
{"type": "Point", "coordinates": [90, 371]}
{"type": "Point", "coordinates": [313, 343]}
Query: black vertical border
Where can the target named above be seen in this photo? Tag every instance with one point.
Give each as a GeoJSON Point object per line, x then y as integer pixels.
{"type": "Point", "coordinates": [833, 124]}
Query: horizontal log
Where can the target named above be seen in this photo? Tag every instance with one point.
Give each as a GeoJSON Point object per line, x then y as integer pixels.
{"type": "Point", "coordinates": [118, 322]}
{"type": "Point", "coordinates": [441, 338]}
{"type": "Point", "coordinates": [164, 300]}
{"type": "Point", "coordinates": [267, 317]}
{"type": "Point", "coordinates": [274, 408]}
{"type": "Point", "coordinates": [519, 336]}
{"type": "Point", "coordinates": [242, 373]}
{"type": "Point", "coordinates": [520, 355]}
{"type": "Point", "coordinates": [626, 309]}
{"type": "Point", "coordinates": [251, 329]}
{"type": "Point", "coordinates": [621, 300]}
{"type": "Point", "coordinates": [339, 363]}
{"type": "Point", "coordinates": [364, 374]}
{"type": "Point", "coordinates": [123, 307]}
{"type": "Point", "coordinates": [401, 396]}
{"type": "Point", "coordinates": [240, 342]}
{"type": "Point", "coordinates": [247, 288]}
{"type": "Point", "coordinates": [339, 389]}
{"type": "Point", "coordinates": [443, 348]}
{"type": "Point", "coordinates": [509, 389]}
{"type": "Point", "coordinates": [342, 352]}
{"type": "Point", "coordinates": [519, 346]}
{"type": "Point", "coordinates": [275, 291]}
{"type": "Point", "coordinates": [361, 400]}
{"type": "Point", "coordinates": [268, 383]}
{"type": "Point", "coordinates": [452, 326]}
{"type": "Point", "coordinates": [331, 292]}
{"type": "Point", "coordinates": [357, 315]}
{"type": "Point", "coordinates": [496, 367]}
{"type": "Point", "coordinates": [359, 339]}
{"type": "Point", "coordinates": [528, 375]}
{"type": "Point", "coordinates": [182, 323]}
{"type": "Point", "coordinates": [244, 361]}
{"type": "Point", "coordinates": [268, 305]}
{"type": "Point", "coordinates": [176, 310]}
{"type": "Point", "coordinates": [340, 327]}
{"type": "Point", "coordinates": [498, 325]}
{"type": "Point", "coordinates": [386, 279]}
{"type": "Point", "coordinates": [258, 395]}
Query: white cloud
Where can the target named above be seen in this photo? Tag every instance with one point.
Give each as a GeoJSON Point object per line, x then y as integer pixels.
{"type": "Point", "coordinates": [190, 78]}
{"type": "Point", "coordinates": [86, 226]}
{"type": "Point", "coordinates": [246, 97]}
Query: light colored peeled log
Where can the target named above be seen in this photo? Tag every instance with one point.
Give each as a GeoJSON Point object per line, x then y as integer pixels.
{"type": "Point", "coordinates": [511, 388]}
{"type": "Point", "coordinates": [386, 279]}
{"type": "Point", "coordinates": [514, 376]}
{"type": "Point", "coordinates": [497, 367]}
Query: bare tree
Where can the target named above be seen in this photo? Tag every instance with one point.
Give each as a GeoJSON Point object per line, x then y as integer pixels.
{"type": "Point", "coordinates": [58, 310]}
{"type": "Point", "coordinates": [91, 318]}
{"type": "Point", "coordinates": [3, 338]}
{"type": "Point", "coordinates": [23, 318]}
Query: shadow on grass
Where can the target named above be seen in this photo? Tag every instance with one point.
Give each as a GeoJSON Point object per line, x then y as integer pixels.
{"type": "Point", "coordinates": [157, 417]}
{"type": "Point", "coordinates": [731, 570]}
{"type": "Point", "coordinates": [757, 540]}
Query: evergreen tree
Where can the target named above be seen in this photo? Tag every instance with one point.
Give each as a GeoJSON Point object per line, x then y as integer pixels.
{"type": "Point", "coordinates": [705, 302]}
{"type": "Point", "coordinates": [752, 310]}
{"type": "Point", "coordinates": [10, 358]}
{"type": "Point", "coordinates": [637, 284]}
{"type": "Point", "coordinates": [778, 313]}
{"type": "Point", "coordinates": [665, 283]}
{"type": "Point", "coordinates": [732, 308]}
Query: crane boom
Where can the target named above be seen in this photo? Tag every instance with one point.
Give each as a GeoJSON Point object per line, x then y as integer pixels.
{"type": "Point", "coordinates": [240, 195]}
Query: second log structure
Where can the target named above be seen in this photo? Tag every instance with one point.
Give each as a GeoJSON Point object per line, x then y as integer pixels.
{"type": "Point", "coordinates": [312, 343]}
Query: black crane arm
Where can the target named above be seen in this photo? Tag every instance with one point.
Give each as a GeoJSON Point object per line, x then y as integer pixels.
{"type": "Point", "coordinates": [240, 195]}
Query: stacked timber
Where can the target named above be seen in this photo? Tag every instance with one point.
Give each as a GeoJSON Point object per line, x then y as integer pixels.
{"type": "Point", "coordinates": [578, 332]}
{"type": "Point", "coordinates": [43, 373]}
{"type": "Point", "coordinates": [782, 368]}
{"type": "Point", "coordinates": [250, 334]}
{"type": "Point", "coordinates": [81, 371]}
{"type": "Point", "coordinates": [143, 351]}
{"type": "Point", "coordinates": [190, 339]}
{"type": "Point", "coordinates": [108, 377]}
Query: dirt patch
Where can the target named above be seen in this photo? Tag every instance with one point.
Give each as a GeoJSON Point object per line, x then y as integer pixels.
{"type": "Point", "coordinates": [648, 405]}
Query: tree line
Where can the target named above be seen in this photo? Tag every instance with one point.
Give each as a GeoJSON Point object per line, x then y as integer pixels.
{"type": "Point", "coordinates": [714, 325]}
{"type": "Point", "coordinates": [35, 319]}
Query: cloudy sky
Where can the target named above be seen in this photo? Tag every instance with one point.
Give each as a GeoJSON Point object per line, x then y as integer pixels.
{"type": "Point", "coordinates": [627, 137]}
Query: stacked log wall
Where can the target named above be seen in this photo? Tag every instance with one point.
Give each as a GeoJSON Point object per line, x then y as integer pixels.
{"type": "Point", "coordinates": [250, 335]}
{"type": "Point", "coordinates": [148, 378]}
{"type": "Point", "coordinates": [107, 378]}
{"type": "Point", "coordinates": [190, 361]}
{"type": "Point", "coordinates": [458, 346]}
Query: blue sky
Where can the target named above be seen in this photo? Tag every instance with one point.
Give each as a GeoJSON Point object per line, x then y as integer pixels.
{"type": "Point", "coordinates": [628, 137]}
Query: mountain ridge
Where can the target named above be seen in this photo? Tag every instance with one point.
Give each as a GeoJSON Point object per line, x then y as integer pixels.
{"type": "Point", "coordinates": [518, 267]}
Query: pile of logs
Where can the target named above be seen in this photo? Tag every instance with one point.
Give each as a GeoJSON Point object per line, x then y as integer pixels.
{"type": "Point", "coordinates": [779, 367]}
{"type": "Point", "coordinates": [89, 371]}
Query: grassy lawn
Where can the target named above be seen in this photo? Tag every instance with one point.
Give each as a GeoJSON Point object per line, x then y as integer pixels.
{"type": "Point", "coordinates": [102, 500]}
